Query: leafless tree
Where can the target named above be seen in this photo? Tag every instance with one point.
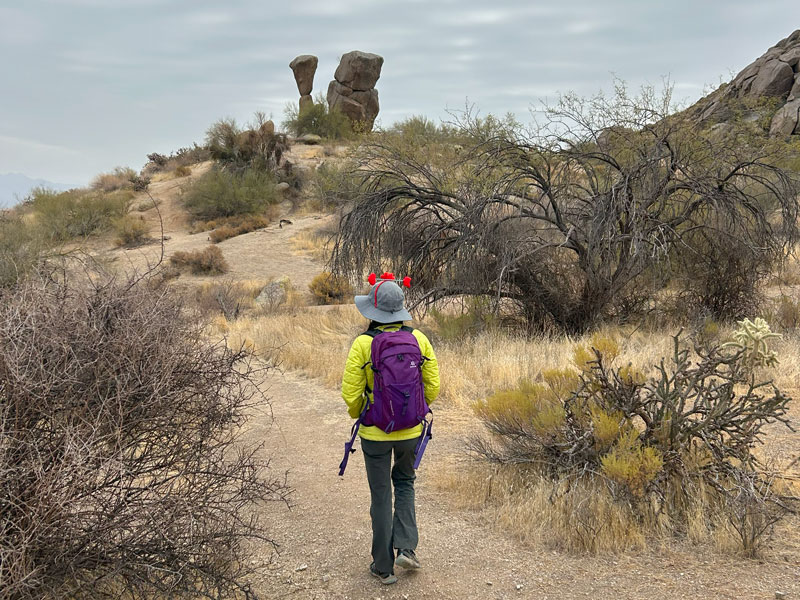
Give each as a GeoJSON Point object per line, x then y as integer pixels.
{"type": "Point", "coordinates": [566, 221]}
{"type": "Point", "coordinates": [122, 471]}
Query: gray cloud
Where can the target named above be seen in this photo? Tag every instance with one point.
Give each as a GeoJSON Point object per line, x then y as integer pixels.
{"type": "Point", "coordinates": [111, 81]}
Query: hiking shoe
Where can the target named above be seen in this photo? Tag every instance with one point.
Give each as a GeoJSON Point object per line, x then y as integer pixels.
{"type": "Point", "coordinates": [386, 579]}
{"type": "Point", "coordinates": [407, 559]}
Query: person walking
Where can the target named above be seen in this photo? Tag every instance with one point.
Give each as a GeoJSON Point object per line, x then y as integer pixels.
{"type": "Point", "coordinates": [390, 435]}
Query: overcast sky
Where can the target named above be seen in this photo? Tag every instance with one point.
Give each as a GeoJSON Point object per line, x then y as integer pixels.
{"type": "Point", "coordinates": [86, 85]}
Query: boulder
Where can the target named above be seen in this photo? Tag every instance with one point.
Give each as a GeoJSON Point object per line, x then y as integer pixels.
{"type": "Point", "coordinates": [268, 128]}
{"type": "Point", "coordinates": [775, 78]}
{"type": "Point", "coordinates": [786, 120]}
{"type": "Point", "coordinates": [305, 102]}
{"type": "Point", "coordinates": [795, 91]}
{"type": "Point", "coordinates": [359, 106]}
{"type": "Point", "coordinates": [791, 57]}
{"type": "Point", "coordinates": [273, 294]}
{"type": "Point", "coordinates": [282, 187]}
{"type": "Point", "coordinates": [304, 67]}
{"type": "Point", "coordinates": [310, 138]}
{"type": "Point", "coordinates": [359, 70]}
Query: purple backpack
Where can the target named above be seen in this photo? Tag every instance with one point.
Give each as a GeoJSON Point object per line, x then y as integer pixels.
{"type": "Point", "coordinates": [398, 396]}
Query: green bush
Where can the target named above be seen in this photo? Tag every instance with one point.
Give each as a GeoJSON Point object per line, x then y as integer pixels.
{"type": "Point", "coordinates": [21, 248]}
{"type": "Point", "coordinates": [63, 216]}
{"type": "Point", "coordinates": [131, 231]}
{"type": "Point", "coordinates": [334, 184]}
{"type": "Point", "coordinates": [318, 119]}
{"type": "Point", "coordinates": [220, 193]}
{"type": "Point", "coordinates": [256, 146]}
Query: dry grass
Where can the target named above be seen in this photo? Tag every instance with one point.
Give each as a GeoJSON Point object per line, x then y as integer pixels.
{"type": "Point", "coordinates": [315, 242]}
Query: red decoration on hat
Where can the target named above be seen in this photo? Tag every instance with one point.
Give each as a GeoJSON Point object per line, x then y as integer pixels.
{"type": "Point", "coordinates": [388, 276]}
{"type": "Point", "coordinates": [407, 282]}
{"type": "Point", "coordinates": [372, 278]}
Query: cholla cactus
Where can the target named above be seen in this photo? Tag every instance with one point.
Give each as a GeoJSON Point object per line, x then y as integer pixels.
{"type": "Point", "coordinates": [751, 338]}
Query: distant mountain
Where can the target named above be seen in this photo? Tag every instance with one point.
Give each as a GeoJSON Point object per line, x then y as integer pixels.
{"type": "Point", "coordinates": [15, 186]}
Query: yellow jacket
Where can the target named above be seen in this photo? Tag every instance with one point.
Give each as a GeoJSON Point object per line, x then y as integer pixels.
{"type": "Point", "coordinates": [356, 378]}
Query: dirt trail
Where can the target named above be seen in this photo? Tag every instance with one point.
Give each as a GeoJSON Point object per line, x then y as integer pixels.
{"type": "Point", "coordinates": [325, 538]}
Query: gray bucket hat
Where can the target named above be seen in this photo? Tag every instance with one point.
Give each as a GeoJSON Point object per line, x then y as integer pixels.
{"type": "Point", "coordinates": [387, 307]}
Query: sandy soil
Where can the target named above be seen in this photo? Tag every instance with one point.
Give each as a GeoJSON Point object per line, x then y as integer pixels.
{"type": "Point", "coordinates": [324, 539]}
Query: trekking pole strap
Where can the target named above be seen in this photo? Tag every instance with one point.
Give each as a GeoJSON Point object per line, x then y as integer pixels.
{"type": "Point", "coordinates": [348, 446]}
{"type": "Point", "coordinates": [426, 436]}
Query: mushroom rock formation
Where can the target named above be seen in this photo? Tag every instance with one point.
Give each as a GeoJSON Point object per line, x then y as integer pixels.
{"type": "Point", "coordinates": [304, 67]}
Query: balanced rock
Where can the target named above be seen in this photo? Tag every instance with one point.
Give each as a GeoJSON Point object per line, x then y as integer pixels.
{"type": "Point", "coordinates": [352, 90]}
{"type": "Point", "coordinates": [359, 70]}
{"type": "Point", "coordinates": [304, 67]}
{"type": "Point", "coordinates": [305, 102]}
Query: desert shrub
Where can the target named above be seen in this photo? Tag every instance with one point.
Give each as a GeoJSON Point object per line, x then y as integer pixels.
{"type": "Point", "coordinates": [208, 261]}
{"type": "Point", "coordinates": [220, 193]}
{"type": "Point", "coordinates": [577, 220]}
{"type": "Point", "coordinates": [21, 249]}
{"type": "Point", "coordinates": [182, 171]}
{"type": "Point", "coordinates": [657, 443]}
{"type": "Point", "coordinates": [183, 157]}
{"type": "Point", "coordinates": [328, 288]}
{"type": "Point", "coordinates": [334, 184]}
{"type": "Point", "coordinates": [119, 178]}
{"type": "Point", "coordinates": [256, 146]}
{"type": "Point", "coordinates": [472, 317]}
{"type": "Point", "coordinates": [318, 119]}
{"type": "Point", "coordinates": [123, 472]}
{"type": "Point", "coordinates": [234, 226]}
{"type": "Point", "coordinates": [131, 231]}
{"type": "Point", "coordinates": [77, 213]}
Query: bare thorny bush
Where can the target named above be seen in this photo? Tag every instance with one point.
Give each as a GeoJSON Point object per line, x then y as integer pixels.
{"type": "Point", "coordinates": [657, 444]}
{"type": "Point", "coordinates": [122, 471]}
{"type": "Point", "coordinates": [569, 220]}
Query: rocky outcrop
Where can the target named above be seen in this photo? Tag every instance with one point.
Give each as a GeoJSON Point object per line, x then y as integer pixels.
{"type": "Point", "coordinates": [352, 90]}
{"type": "Point", "coordinates": [304, 67]}
{"type": "Point", "coordinates": [774, 76]}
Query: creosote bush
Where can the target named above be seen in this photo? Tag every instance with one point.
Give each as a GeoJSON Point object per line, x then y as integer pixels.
{"type": "Point", "coordinates": [62, 216]}
{"type": "Point", "coordinates": [122, 471]}
{"type": "Point", "coordinates": [208, 261]}
{"type": "Point", "coordinates": [221, 193]}
{"type": "Point", "coordinates": [131, 231]}
{"type": "Point", "coordinates": [120, 178]}
{"type": "Point", "coordinates": [233, 226]}
{"type": "Point", "coordinates": [330, 289]}
{"type": "Point", "coordinates": [675, 447]}
{"type": "Point", "coordinates": [318, 119]}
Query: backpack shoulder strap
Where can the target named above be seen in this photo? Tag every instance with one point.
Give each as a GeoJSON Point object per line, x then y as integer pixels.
{"type": "Point", "coordinates": [407, 328]}
{"type": "Point", "coordinates": [372, 333]}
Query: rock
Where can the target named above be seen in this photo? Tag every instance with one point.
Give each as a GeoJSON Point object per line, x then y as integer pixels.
{"type": "Point", "coordinates": [310, 138]}
{"type": "Point", "coordinates": [273, 295]}
{"type": "Point", "coordinates": [359, 70]}
{"type": "Point", "coordinates": [281, 187]}
{"type": "Point", "coordinates": [791, 57]}
{"type": "Point", "coordinates": [304, 67]}
{"type": "Point", "coordinates": [326, 578]}
{"type": "Point", "coordinates": [302, 567]}
{"type": "Point", "coordinates": [268, 128]}
{"type": "Point", "coordinates": [780, 595]}
{"type": "Point", "coordinates": [360, 107]}
{"type": "Point", "coordinates": [306, 102]}
{"type": "Point", "coordinates": [795, 92]}
{"type": "Point", "coordinates": [775, 78]}
{"type": "Point", "coordinates": [785, 121]}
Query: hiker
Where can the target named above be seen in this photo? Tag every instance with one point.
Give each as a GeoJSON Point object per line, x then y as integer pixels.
{"type": "Point", "coordinates": [401, 431]}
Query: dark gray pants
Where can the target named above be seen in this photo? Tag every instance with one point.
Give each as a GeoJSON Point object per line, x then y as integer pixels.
{"type": "Point", "coordinates": [398, 530]}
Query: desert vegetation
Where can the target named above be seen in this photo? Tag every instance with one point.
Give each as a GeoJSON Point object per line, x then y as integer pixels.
{"type": "Point", "coordinates": [122, 471]}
